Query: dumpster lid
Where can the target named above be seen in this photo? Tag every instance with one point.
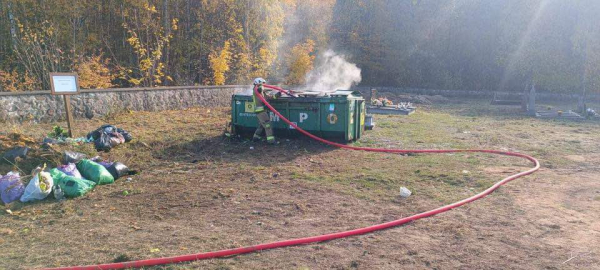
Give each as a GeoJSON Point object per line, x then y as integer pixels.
{"type": "Point", "coordinates": [346, 93]}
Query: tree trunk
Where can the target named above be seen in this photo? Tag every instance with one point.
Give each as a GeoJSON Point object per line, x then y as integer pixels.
{"type": "Point", "coordinates": [167, 26]}
{"type": "Point", "coordinates": [13, 25]}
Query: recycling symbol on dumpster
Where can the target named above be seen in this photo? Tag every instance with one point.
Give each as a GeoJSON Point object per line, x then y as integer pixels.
{"type": "Point", "coordinates": [332, 118]}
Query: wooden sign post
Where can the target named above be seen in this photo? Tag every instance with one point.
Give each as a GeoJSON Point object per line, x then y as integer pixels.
{"type": "Point", "coordinates": [65, 84]}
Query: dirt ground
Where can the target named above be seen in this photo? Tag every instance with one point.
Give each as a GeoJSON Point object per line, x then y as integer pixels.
{"type": "Point", "coordinates": [198, 191]}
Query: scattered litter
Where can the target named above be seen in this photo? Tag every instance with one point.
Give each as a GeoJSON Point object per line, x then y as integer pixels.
{"type": "Point", "coordinates": [405, 192]}
{"type": "Point", "coordinates": [39, 187]}
{"type": "Point", "coordinates": [591, 113]}
{"type": "Point", "coordinates": [251, 147]}
{"type": "Point", "coordinates": [382, 102]}
{"type": "Point", "coordinates": [61, 136]}
{"type": "Point", "coordinates": [11, 187]}
{"type": "Point", "coordinates": [466, 172]}
{"type": "Point", "coordinates": [73, 141]}
{"type": "Point", "coordinates": [129, 179]}
{"type": "Point", "coordinates": [95, 172]}
{"type": "Point", "coordinates": [14, 154]}
{"type": "Point", "coordinates": [59, 195]}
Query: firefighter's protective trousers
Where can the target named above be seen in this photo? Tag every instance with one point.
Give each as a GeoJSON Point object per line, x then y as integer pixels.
{"type": "Point", "coordinates": [264, 120]}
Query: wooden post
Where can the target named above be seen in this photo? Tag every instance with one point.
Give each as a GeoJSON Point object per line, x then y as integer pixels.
{"type": "Point", "coordinates": [531, 107]}
{"type": "Point", "coordinates": [65, 84]}
{"type": "Point", "coordinates": [69, 115]}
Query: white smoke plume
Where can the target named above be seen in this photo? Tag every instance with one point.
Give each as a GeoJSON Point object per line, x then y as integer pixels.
{"type": "Point", "coordinates": [333, 72]}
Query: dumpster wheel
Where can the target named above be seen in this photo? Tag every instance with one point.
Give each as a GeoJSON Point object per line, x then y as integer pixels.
{"type": "Point", "coordinates": [332, 236]}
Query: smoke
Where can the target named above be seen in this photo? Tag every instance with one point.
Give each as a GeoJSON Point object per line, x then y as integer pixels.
{"type": "Point", "coordinates": [333, 72]}
{"type": "Point", "coordinates": [248, 92]}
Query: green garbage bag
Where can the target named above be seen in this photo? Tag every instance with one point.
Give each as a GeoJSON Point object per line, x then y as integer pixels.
{"type": "Point", "coordinates": [71, 186]}
{"type": "Point", "coordinates": [95, 172]}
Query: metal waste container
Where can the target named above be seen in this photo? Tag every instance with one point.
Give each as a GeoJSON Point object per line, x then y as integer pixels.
{"type": "Point", "coordinates": [339, 115]}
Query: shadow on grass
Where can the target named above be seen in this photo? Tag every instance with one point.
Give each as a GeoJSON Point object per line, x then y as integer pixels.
{"type": "Point", "coordinates": [232, 150]}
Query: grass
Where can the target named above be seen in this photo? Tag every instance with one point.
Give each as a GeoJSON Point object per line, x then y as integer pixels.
{"type": "Point", "coordinates": [186, 166]}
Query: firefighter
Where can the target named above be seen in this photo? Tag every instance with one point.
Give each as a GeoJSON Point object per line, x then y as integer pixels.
{"type": "Point", "coordinates": [264, 120]}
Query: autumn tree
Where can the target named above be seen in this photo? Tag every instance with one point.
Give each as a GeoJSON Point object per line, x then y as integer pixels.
{"type": "Point", "coordinates": [94, 73]}
{"type": "Point", "coordinates": [219, 63]}
{"type": "Point", "coordinates": [454, 44]}
{"type": "Point", "coordinates": [300, 62]}
{"type": "Point", "coordinates": [149, 39]}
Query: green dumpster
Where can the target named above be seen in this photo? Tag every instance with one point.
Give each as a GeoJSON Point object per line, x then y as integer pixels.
{"type": "Point", "coordinates": [339, 116]}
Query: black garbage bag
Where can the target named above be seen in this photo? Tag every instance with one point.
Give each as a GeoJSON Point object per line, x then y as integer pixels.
{"type": "Point", "coordinates": [102, 129]}
{"type": "Point", "coordinates": [118, 170]}
{"type": "Point", "coordinates": [73, 157]}
{"type": "Point", "coordinates": [94, 135]}
{"type": "Point", "coordinates": [108, 128]}
{"type": "Point", "coordinates": [125, 134]}
{"type": "Point", "coordinates": [19, 152]}
{"type": "Point", "coordinates": [103, 142]}
{"type": "Point", "coordinates": [108, 136]}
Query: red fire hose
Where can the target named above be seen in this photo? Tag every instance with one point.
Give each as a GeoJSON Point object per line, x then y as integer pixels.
{"type": "Point", "coordinates": [326, 237]}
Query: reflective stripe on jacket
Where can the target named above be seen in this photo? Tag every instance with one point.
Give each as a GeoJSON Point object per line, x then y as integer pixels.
{"type": "Point", "coordinates": [258, 104]}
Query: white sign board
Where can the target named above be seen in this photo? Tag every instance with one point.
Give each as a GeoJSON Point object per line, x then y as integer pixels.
{"type": "Point", "coordinates": [64, 83]}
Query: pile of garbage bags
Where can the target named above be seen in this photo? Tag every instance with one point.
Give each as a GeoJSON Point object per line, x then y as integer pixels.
{"type": "Point", "coordinates": [73, 179]}
{"type": "Point", "coordinates": [108, 136]}
{"type": "Point", "coordinates": [382, 102]}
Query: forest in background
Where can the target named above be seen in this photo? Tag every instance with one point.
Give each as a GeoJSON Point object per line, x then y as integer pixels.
{"type": "Point", "coordinates": [489, 45]}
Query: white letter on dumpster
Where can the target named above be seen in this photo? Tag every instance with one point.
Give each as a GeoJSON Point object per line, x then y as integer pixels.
{"type": "Point", "coordinates": [303, 116]}
{"type": "Point", "coordinates": [274, 117]}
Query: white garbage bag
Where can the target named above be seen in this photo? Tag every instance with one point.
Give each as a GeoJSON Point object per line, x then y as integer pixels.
{"type": "Point", "coordinates": [39, 187]}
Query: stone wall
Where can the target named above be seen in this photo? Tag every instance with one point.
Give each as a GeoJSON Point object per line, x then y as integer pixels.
{"type": "Point", "coordinates": [540, 96]}
{"type": "Point", "coordinates": [41, 106]}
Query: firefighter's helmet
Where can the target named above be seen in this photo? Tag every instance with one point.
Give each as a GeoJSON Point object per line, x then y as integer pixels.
{"type": "Point", "coordinates": [259, 81]}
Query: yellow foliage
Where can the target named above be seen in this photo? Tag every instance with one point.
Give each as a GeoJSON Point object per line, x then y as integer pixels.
{"type": "Point", "coordinates": [266, 58]}
{"type": "Point", "coordinates": [94, 73]}
{"type": "Point", "coordinates": [14, 82]}
{"type": "Point", "coordinates": [300, 62]}
{"type": "Point", "coordinates": [220, 64]}
{"type": "Point", "coordinates": [174, 26]}
{"type": "Point", "coordinates": [149, 41]}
